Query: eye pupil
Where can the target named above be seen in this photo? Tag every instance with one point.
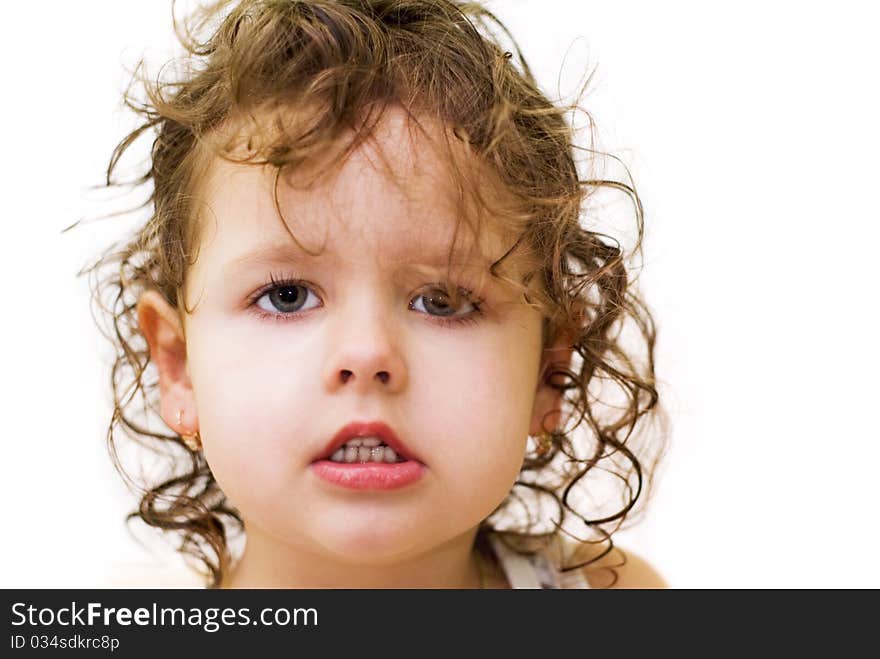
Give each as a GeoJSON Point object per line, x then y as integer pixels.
{"type": "Point", "coordinates": [443, 305]}
{"type": "Point", "coordinates": [284, 297]}
{"type": "Point", "coordinates": [285, 293]}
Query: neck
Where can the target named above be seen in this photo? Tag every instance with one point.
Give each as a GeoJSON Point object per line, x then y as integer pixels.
{"type": "Point", "coordinates": [270, 563]}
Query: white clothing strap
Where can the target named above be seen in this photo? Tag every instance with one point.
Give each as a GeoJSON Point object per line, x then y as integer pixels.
{"type": "Point", "coordinates": [517, 568]}
{"type": "Point", "coordinates": [535, 571]}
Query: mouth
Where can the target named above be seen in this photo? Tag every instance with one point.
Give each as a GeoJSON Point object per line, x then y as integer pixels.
{"type": "Point", "coordinates": [362, 442]}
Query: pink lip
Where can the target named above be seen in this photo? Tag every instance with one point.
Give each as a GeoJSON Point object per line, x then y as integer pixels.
{"type": "Point", "coordinates": [367, 429]}
{"type": "Point", "coordinates": [369, 475]}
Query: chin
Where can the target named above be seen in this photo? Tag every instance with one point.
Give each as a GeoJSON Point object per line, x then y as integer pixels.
{"type": "Point", "coordinates": [372, 544]}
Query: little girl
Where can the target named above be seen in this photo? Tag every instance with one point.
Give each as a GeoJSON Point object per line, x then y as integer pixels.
{"type": "Point", "coordinates": [387, 345]}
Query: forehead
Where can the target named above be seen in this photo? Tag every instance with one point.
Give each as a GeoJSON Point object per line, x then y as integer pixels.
{"type": "Point", "coordinates": [393, 200]}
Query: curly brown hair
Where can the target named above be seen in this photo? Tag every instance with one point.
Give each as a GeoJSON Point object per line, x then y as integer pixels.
{"type": "Point", "coordinates": [338, 64]}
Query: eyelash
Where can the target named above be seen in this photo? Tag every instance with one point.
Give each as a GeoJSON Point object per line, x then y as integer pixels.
{"type": "Point", "coordinates": [281, 281]}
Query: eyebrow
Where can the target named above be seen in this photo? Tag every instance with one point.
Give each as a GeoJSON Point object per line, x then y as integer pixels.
{"type": "Point", "coordinates": [268, 255]}
{"type": "Point", "coordinates": [279, 253]}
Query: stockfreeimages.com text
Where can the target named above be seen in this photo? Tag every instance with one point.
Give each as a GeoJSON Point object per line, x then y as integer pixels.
{"type": "Point", "coordinates": [209, 619]}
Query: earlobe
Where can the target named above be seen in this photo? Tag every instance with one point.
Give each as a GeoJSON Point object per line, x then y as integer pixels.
{"type": "Point", "coordinates": [547, 410]}
{"type": "Point", "coordinates": [161, 327]}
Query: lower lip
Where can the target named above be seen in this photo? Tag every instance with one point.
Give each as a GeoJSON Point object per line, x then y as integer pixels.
{"type": "Point", "coordinates": [369, 475]}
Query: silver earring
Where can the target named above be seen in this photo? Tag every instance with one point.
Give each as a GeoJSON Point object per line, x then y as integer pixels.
{"type": "Point", "coordinates": [193, 441]}
{"type": "Point", "coordinates": [544, 442]}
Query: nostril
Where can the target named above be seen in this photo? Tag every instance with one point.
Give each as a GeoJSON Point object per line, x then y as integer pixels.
{"type": "Point", "coordinates": [382, 375]}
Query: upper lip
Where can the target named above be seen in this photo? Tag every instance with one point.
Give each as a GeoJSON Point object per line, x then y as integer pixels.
{"type": "Point", "coordinates": [367, 429]}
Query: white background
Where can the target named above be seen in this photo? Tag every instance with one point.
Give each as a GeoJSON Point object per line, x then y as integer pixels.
{"type": "Point", "coordinates": [751, 130]}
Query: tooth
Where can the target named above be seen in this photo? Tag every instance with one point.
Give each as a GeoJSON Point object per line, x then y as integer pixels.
{"type": "Point", "coordinates": [363, 454]}
{"type": "Point", "coordinates": [354, 442]}
{"type": "Point", "coordinates": [390, 455]}
{"type": "Point", "coordinates": [339, 455]}
{"type": "Point", "coordinates": [351, 453]}
{"type": "Point", "coordinates": [377, 454]}
{"type": "Point", "coordinates": [371, 441]}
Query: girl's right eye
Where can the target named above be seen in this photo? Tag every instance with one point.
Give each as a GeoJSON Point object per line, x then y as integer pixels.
{"type": "Point", "coordinates": [283, 299]}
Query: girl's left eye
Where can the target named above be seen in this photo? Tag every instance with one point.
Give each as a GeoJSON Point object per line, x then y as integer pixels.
{"type": "Point", "coordinates": [282, 300]}
{"type": "Point", "coordinates": [439, 298]}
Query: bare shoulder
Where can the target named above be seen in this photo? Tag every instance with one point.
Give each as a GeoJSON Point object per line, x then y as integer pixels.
{"type": "Point", "coordinates": [632, 571]}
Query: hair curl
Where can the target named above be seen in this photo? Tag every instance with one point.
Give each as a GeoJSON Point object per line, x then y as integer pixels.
{"type": "Point", "coordinates": [340, 64]}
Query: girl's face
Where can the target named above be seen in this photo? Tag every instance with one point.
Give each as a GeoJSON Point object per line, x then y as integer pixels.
{"type": "Point", "coordinates": [273, 372]}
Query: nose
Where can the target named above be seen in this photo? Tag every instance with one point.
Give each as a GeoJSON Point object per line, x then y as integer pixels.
{"type": "Point", "coordinates": [366, 353]}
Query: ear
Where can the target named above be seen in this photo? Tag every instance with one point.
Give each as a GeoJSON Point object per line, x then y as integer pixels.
{"type": "Point", "coordinates": [547, 410]}
{"type": "Point", "coordinates": [161, 326]}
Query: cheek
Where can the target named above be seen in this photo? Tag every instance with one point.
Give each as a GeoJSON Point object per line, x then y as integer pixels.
{"type": "Point", "coordinates": [475, 437]}
{"type": "Point", "coordinates": [475, 407]}
{"type": "Point", "coordinates": [252, 412]}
